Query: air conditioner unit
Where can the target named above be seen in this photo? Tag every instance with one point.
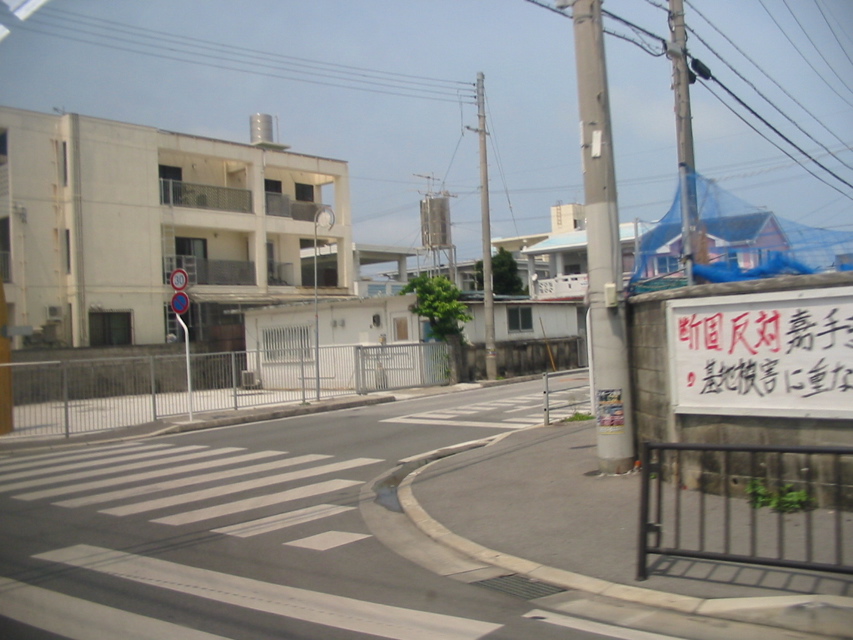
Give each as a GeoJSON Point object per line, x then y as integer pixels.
{"type": "Point", "coordinates": [248, 380]}
{"type": "Point", "coordinates": [54, 313]}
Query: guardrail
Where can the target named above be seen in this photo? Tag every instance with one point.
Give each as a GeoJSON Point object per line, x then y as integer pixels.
{"type": "Point", "coordinates": [560, 397]}
{"type": "Point", "coordinates": [775, 506]}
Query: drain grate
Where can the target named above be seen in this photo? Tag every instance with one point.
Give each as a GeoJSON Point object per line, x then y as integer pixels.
{"type": "Point", "coordinates": [520, 586]}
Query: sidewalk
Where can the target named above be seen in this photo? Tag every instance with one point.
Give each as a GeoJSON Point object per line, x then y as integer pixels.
{"type": "Point", "coordinates": [532, 502]}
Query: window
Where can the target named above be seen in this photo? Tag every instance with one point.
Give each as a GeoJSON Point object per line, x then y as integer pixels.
{"type": "Point", "coordinates": [287, 344]}
{"type": "Point", "coordinates": [519, 318]}
{"type": "Point", "coordinates": [304, 192]}
{"type": "Point", "coordinates": [67, 251]}
{"type": "Point", "coordinates": [401, 329]}
{"type": "Point", "coordinates": [667, 264]}
{"type": "Point", "coordinates": [169, 192]}
{"type": "Point", "coordinates": [3, 147]}
{"type": "Point", "coordinates": [63, 162]}
{"type": "Point", "coordinates": [272, 186]}
{"type": "Point", "coordinates": [109, 328]}
{"type": "Point", "coordinates": [191, 247]}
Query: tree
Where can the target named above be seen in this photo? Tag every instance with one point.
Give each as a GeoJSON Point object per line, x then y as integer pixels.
{"type": "Point", "coordinates": [438, 302]}
{"type": "Point", "coordinates": [505, 278]}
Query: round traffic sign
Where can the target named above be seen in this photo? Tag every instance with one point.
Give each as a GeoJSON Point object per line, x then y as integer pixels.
{"type": "Point", "coordinates": [179, 279]}
{"type": "Point", "coordinates": [180, 302]}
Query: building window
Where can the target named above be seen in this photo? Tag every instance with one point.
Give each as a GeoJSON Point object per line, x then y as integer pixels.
{"type": "Point", "coordinates": [667, 264]}
{"type": "Point", "coordinates": [3, 147]}
{"type": "Point", "coordinates": [67, 251]}
{"type": "Point", "coordinates": [109, 328]}
{"type": "Point", "coordinates": [519, 318]}
{"type": "Point", "coordinates": [304, 192]}
{"type": "Point", "coordinates": [170, 193]}
{"type": "Point", "coordinates": [272, 186]}
{"type": "Point", "coordinates": [287, 344]}
{"type": "Point", "coordinates": [401, 329]}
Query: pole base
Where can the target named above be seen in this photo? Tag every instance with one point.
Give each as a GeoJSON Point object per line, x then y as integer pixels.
{"type": "Point", "coordinates": [615, 466]}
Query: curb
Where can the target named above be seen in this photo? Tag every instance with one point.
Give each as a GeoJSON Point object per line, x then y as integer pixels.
{"type": "Point", "coordinates": [711, 607]}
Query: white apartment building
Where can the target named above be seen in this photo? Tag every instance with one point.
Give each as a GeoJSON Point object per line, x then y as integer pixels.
{"type": "Point", "coordinates": [95, 214]}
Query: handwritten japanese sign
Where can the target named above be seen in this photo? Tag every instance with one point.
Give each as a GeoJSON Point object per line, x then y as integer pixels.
{"type": "Point", "coordinates": [786, 354]}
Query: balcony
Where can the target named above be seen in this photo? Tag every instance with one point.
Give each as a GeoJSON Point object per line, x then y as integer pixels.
{"type": "Point", "coordinates": [217, 272]}
{"type": "Point", "coordinates": [204, 196]}
{"type": "Point", "coordinates": [283, 206]}
{"type": "Point", "coordinates": [5, 266]}
{"type": "Point", "coordinates": [562, 287]}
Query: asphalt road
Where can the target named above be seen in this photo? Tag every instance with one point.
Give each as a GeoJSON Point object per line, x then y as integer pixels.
{"type": "Point", "coordinates": [258, 531]}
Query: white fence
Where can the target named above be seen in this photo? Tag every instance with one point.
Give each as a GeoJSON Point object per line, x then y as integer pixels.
{"type": "Point", "coordinates": [79, 396]}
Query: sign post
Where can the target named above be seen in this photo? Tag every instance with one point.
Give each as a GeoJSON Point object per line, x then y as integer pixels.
{"type": "Point", "coordinates": [180, 305]}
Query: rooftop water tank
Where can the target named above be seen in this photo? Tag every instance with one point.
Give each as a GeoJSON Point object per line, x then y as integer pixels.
{"type": "Point", "coordinates": [262, 132]}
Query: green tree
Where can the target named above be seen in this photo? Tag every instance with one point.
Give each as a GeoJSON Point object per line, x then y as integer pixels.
{"type": "Point", "coordinates": [438, 302]}
{"type": "Point", "coordinates": [505, 278]}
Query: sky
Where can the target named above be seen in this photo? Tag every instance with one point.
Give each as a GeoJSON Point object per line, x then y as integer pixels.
{"type": "Point", "coordinates": [203, 67]}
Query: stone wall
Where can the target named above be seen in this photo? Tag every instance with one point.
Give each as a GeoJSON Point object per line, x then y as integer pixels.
{"type": "Point", "coordinates": [655, 420]}
{"type": "Point", "coordinates": [524, 357]}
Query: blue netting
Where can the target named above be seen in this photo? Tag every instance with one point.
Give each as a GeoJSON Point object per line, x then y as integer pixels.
{"type": "Point", "coordinates": [735, 241]}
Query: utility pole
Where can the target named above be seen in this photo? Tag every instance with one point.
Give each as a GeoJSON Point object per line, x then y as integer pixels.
{"type": "Point", "coordinates": [677, 52]}
{"type": "Point", "coordinates": [607, 324]}
{"type": "Point", "coordinates": [488, 292]}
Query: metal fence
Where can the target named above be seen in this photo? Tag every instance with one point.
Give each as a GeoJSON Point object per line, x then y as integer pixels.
{"type": "Point", "coordinates": [784, 507]}
{"type": "Point", "coordinates": [81, 396]}
{"type": "Point", "coordinates": [561, 399]}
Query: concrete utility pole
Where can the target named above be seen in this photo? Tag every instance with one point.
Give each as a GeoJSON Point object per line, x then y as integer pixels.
{"type": "Point", "coordinates": [607, 327]}
{"type": "Point", "coordinates": [677, 52]}
{"type": "Point", "coordinates": [488, 292]}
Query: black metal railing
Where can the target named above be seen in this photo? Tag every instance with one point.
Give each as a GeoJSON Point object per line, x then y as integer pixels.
{"type": "Point", "coordinates": [775, 506]}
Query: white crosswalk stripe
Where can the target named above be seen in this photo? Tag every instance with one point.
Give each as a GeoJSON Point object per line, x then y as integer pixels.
{"type": "Point", "coordinates": [248, 485]}
{"type": "Point", "coordinates": [35, 460]}
{"type": "Point", "coordinates": [80, 619]}
{"type": "Point", "coordinates": [223, 473]}
{"type": "Point", "coordinates": [385, 621]}
{"type": "Point", "coordinates": [165, 459]}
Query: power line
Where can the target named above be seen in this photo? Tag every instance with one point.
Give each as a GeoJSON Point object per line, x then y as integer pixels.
{"type": "Point", "coordinates": [797, 49]}
{"type": "Point", "coordinates": [832, 30]}
{"type": "Point", "coordinates": [281, 67]}
{"type": "Point", "coordinates": [786, 152]}
{"type": "Point", "coordinates": [755, 64]}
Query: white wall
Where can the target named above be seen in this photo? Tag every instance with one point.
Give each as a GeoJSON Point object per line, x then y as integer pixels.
{"type": "Point", "coordinates": [559, 319]}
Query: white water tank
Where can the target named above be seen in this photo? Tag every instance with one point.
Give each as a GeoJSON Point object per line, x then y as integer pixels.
{"type": "Point", "coordinates": [262, 131]}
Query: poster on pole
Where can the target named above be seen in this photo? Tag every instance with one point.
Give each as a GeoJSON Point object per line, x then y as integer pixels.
{"type": "Point", "coordinates": [787, 353]}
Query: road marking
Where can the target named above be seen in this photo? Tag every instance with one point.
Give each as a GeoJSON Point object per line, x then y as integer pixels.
{"type": "Point", "coordinates": [381, 620]}
{"type": "Point", "coordinates": [121, 468]}
{"type": "Point", "coordinates": [449, 423]}
{"type": "Point", "coordinates": [23, 462]}
{"type": "Point", "coordinates": [608, 630]}
{"type": "Point", "coordinates": [79, 619]}
{"type": "Point", "coordinates": [149, 475]}
{"type": "Point", "coordinates": [282, 520]}
{"type": "Point", "coordinates": [257, 502]}
{"type": "Point", "coordinates": [327, 540]}
{"type": "Point", "coordinates": [89, 465]}
{"type": "Point", "coordinates": [248, 485]}
{"type": "Point", "coordinates": [122, 494]}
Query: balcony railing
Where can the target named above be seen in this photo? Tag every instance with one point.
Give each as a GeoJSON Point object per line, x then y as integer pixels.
{"type": "Point", "coordinates": [280, 273]}
{"type": "Point", "coordinates": [218, 272]}
{"type": "Point", "coordinates": [568, 286]}
{"type": "Point", "coordinates": [205, 196]}
{"type": "Point", "coordinates": [283, 206]}
{"type": "Point", "coordinates": [5, 266]}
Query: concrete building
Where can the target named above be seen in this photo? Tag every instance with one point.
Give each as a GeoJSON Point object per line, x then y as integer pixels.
{"type": "Point", "coordinates": [95, 214]}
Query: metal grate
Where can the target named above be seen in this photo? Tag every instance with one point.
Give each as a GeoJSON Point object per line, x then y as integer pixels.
{"type": "Point", "coordinates": [521, 587]}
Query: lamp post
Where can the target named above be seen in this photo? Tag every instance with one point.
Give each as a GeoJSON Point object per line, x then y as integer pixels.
{"type": "Point", "coordinates": [328, 216]}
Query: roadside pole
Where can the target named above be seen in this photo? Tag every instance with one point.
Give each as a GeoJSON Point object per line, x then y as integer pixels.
{"type": "Point", "coordinates": [608, 339]}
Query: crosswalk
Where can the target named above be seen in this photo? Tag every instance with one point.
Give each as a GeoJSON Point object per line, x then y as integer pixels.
{"type": "Point", "coordinates": [222, 490]}
{"type": "Point", "coordinates": [182, 485]}
{"type": "Point", "coordinates": [518, 412]}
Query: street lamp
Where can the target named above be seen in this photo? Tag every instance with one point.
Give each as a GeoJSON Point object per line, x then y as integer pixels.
{"type": "Point", "coordinates": [326, 217]}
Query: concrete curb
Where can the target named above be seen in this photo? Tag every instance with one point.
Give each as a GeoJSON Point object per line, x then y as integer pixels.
{"type": "Point", "coordinates": [726, 608]}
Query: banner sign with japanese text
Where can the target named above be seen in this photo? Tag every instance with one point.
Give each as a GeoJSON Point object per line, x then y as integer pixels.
{"type": "Point", "coordinates": [785, 353]}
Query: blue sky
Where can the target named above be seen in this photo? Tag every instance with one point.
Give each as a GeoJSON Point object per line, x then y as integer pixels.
{"type": "Point", "coordinates": [61, 58]}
